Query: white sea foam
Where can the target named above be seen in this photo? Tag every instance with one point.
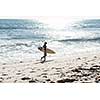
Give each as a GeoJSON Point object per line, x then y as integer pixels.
{"type": "Point", "coordinates": [19, 39]}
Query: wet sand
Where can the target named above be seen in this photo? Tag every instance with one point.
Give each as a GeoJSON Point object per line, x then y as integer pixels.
{"type": "Point", "coordinates": [74, 68]}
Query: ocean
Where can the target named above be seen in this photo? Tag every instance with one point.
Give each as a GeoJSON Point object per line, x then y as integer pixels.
{"type": "Point", "coordinates": [20, 38]}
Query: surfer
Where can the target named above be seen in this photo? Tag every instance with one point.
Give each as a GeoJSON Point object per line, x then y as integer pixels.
{"type": "Point", "coordinates": [43, 59]}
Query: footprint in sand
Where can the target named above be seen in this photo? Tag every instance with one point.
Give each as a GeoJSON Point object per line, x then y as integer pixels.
{"type": "Point", "coordinates": [1, 79]}
{"type": "Point", "coordinates": [32, 81]}
{"type": "Point", "coordinates": [95, 56]}
{"type": "Point", "coordinates": [4, 74]}
{"type": "Point", "coordinates": [52, 82]}
{"type": "Point", "coordinates": [97, 79]}
{"type": "Point", "coordinates": [45, 70]}
{"type": "Point", "coordinates": [8, 77]}
{"type": "Point", "coordinates": [44, 76]}
{"type": "Point", "coordinates": [95, 67]}
{"type": "Point", "coordinates": [21, 62]}
{"type": "Point", "coordinates": [44, 73]}
{"type": "Point", "coordinates": [86, 63]}
{"type": "Point", "coordinates": [19, 70]}
{"type": "Point", "coordinates": [66, 80]}
{"type": "Point", "coordinates": [76, 70]}
{"type": "Point", "coordinates": [58, 68]}
{"type": "Point", "coordinates": [18, 73]}
{"type": "Point", "coordinates": [4, 64]}
{"type": "Point", "coordinates": [48, 80]}
{"type": "Point", "coordinates": [78, 59]}
{"type": "Point", "coordinates": [3, 67]}
{"type": "Point", "coordinates": [25, 78]}
{"type": "Point", "coordinates": [32, 71]}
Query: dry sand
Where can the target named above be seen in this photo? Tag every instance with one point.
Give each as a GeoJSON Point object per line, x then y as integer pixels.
{"type": "Point", "coordinates": [77, 68]}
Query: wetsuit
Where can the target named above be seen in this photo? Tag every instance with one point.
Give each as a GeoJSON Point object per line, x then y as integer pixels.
{"type": "Point", "coordinates": [45, 53]}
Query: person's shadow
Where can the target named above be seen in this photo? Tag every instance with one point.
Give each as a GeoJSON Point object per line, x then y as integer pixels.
{"type": "Point", "coordinates": [43, 62]}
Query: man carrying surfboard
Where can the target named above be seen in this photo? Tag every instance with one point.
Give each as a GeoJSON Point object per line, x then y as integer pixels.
{"type": "Point", "coordinates": [45, 52]}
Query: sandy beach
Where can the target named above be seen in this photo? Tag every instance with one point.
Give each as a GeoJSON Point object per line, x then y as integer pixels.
{"type": "Point", "coordinates": [78, 68]}
{"type": "Point", "coordinates": [76, 43]}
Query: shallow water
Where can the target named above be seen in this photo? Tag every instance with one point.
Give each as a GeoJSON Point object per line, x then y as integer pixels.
{"type": "Point", "coordinates": [19, 38]}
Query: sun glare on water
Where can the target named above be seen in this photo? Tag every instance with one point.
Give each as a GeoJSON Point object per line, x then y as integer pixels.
{"type": "Point", "coordinates": [60, 24]}
{"type": "Point", "coordinates": [55, 22]}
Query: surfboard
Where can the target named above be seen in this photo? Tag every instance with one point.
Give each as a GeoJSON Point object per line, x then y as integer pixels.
{"type": "Point", "coordinates": [48, 50]}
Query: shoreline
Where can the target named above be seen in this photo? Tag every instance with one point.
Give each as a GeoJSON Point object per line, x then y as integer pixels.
{"type": "Point", "coordinates": [75, 68]}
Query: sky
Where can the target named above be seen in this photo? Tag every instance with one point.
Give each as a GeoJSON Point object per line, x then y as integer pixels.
{"type": "Point", "coordinates": [30, 8]}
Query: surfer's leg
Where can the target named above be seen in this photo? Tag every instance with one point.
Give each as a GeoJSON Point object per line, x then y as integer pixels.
{"type": "Point", "coordinates": [42, 58]}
